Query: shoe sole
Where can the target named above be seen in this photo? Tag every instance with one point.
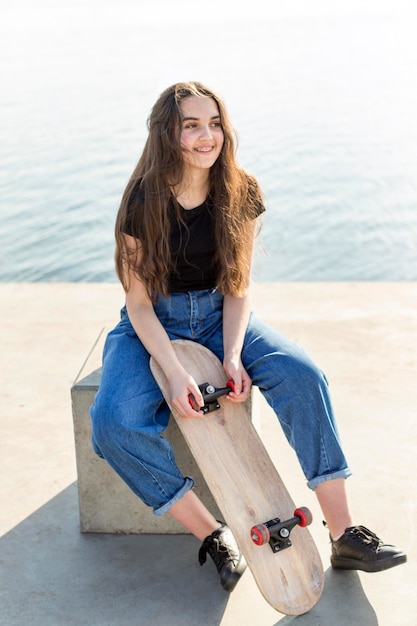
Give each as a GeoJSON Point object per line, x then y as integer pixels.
{"type": "Point", "coordinates": [371, 566]}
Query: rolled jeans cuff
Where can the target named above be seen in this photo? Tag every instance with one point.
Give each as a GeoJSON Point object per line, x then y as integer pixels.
{"type": "Point", "coordinates": [319, 480]}
{"type": "Point", "coordinates": [188, 485]}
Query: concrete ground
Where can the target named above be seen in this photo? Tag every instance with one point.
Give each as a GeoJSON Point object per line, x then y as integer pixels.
{"type": "Point", "coordinates": [364, 335]}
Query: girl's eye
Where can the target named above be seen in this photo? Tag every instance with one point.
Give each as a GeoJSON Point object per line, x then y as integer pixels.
{"type": "Point", "coordinates": [191, 125]}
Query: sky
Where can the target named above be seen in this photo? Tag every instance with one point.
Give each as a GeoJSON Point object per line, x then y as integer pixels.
{"type": "Point", "coordinates": [29, 14]}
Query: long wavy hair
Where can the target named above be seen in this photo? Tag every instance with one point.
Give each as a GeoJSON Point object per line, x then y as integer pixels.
{"type": "Point", "coordinates": [234, 197]}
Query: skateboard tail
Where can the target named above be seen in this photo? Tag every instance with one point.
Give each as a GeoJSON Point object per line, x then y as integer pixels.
{"type": "Point", "coordinates": [289, 596]}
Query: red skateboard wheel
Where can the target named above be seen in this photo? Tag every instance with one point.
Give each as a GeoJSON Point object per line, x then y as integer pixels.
{"type": "Point", "coordinates": [305, 516]}
{"type": "Point", "coordinates": [260, 534]}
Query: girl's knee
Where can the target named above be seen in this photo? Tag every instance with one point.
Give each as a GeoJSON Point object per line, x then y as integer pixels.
{"type": "Point", "coordinates": [310, 374]}
{"type": "Point", "coordinates": [293, 370]}
{"type": "Point", "coordinates": [101, 424]}
{"type": "Point", "coordinates": [127, 424]}
{"type": "Point", "coordinates": [309, 383]}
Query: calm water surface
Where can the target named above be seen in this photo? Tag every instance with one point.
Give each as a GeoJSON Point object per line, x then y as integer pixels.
{"type": "Point", "coordinates": [324, 102]}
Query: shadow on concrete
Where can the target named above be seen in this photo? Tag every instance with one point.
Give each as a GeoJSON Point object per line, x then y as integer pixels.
{"type": "Point", "coordinates": [343, 603]}
{"type": "Point", "coordinates": [52, 574]}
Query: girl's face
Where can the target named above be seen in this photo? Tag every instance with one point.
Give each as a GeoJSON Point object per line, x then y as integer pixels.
{"type": "Point", "coordinates": [202, 133]}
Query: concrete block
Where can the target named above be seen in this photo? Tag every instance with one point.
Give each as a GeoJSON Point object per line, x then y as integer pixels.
{"type": "Point", "coordinates": [106, 504]}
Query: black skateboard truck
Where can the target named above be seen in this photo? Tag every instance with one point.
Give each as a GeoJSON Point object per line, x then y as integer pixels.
{"type": "Point", "coordinates": [210, 394]}
{"type": "Point", "coordinates": [277, 532]}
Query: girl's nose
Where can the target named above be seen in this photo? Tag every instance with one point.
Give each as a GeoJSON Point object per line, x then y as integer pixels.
{"type": "Point", "coordinates": [205, 131]}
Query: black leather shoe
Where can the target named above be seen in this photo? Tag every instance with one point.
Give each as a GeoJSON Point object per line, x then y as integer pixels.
{"type": "Point", "coordinates": [360, 549]}
{"type": "Point", "coordinates": [223, 549]}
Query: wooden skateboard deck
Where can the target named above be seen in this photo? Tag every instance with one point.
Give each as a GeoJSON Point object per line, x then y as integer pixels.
{"type": "Point", "coordinates": [247, 488]}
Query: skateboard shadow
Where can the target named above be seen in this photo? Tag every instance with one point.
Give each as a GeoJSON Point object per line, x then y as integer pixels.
{"type": "Point", "coordinates": [52, 574]}
{"type": "Point", "coordinates": [343, 602]}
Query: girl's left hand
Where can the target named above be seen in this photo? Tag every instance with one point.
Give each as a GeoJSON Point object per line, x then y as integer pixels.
{"type": "Point", "coordinates": [240, 377]}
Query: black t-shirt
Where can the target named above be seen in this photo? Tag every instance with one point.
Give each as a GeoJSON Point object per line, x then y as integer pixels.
{"type": "Point", "coordinates": [193, 247]}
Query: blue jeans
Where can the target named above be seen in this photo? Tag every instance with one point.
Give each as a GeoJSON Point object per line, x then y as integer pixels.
{"type": "Point", "coordinates": [129, 413]}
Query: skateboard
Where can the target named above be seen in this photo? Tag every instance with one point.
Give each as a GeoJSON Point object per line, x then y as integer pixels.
{"type": "Point", "coordinates": [270, 531]}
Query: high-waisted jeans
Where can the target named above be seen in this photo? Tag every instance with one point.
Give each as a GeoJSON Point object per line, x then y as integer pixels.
{"type": "Point", "coordinates": [129, 414]}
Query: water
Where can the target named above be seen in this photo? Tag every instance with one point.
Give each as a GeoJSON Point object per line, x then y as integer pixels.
{"type": "Point", "coordinates": [323, 97]}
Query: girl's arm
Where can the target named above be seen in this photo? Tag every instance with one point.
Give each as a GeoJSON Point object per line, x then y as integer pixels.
{"type": "Point", "coordinates": [156, 341]}
{"type": "Point", "coordinates": [235, 321]}
{"type": "Point", "coordinates": [236, 311]}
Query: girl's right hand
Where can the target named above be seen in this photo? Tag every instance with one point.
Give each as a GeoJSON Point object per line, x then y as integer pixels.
{"type": "Point", "coordinates": [180, 390]}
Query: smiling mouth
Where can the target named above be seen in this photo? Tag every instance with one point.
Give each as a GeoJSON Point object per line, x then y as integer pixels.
{"type": "Point", "coordinates": [205, 150]}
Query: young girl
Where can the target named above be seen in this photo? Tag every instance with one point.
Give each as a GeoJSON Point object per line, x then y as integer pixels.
{"type": "Point", "coordinates": [184, 238]}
